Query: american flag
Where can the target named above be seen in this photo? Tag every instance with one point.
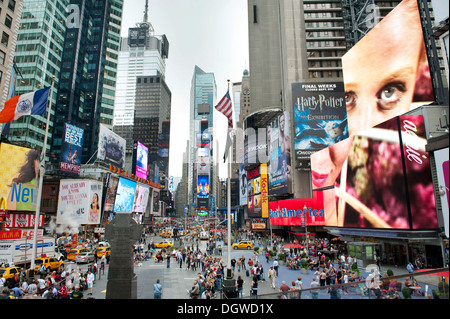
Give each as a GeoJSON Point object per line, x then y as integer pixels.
{"type": "Point", "coordinates": [225, 107]}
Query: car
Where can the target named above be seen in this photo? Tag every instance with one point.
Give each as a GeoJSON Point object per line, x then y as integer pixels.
{"type": "Point", "coordinates": [164, 244]}
{"type": "Point", "coordinates": [243, 244]}
{"type": "Point", "coordinates": [85, 257]}
{"type": "Point", "coordinates": [50, 263]}
{"type": "Point", "coordinates": [74, 252]}
{"type": "Point", "coordinates": [102, 251]}
{"type": "Point", "coordinates": [8, 273]}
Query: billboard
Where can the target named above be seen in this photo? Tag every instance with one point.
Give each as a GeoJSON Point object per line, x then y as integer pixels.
{"type": "Point", "coordinates": [381, 176]}
{"type": "Point", "coordinates": [384, 79]}
{"type": "Point", "coordinates": [292, 212]}
{"type": "Point", "coordinates": [279, 144]}
{"type": "Point", "coordinates": [140, 160]}
{"type": "Point", "coordinates": [79, 201]}
{"type": "Point", "coordinates": [202, 186]}
{"type": "Point", "coordinates": [140, 200]}
{"type": "Point", "coordinates": [442, 172]}
{"type": "Point", "coordinates": [242, 185]}
{"type": "Point", "coordinates": [320, 116]}
{"type": "Point", "coordinates": [19, 175]}
{"type": "Point", "coordinates": [125, 195]}
{"type": "Point", "coordinates": [254, 200]}
{"type": "Point", "coordinates": [111, 147]}
{"type": "Point", "coordinates": [71, 149]}
{"type": "Point", "coordinates": [111, 193]}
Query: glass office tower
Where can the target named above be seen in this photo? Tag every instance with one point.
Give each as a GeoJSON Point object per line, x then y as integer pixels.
{"type": "Point", "coordinates": [87, 81]}
{"type": "Point", "coordinates": [38, 57]}
{"type": "Point", "coordinates": [201, 163]}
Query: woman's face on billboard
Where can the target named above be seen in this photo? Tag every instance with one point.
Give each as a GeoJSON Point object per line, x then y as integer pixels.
{"type": "Point", "coordinates": [380, 71]}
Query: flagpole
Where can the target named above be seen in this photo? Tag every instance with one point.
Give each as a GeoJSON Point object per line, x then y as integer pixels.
{"type": "Point", "coordinates": [41, 180]}
{"type": "Point", "coordinates": [229, 273]}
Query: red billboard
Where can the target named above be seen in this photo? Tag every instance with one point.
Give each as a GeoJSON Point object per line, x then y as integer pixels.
{"type": "Point", "coordinates": [292, 212]}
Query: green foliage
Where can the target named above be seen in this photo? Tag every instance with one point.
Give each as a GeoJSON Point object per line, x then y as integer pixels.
{"type": "Point", "coordinates": [281, 256]}
{"type": "Point", "coordinates": [304, 263]}
{"type": "Point", "coordinates": [406, 292]}
{"type": "Point", "coordinates": [390, 273]}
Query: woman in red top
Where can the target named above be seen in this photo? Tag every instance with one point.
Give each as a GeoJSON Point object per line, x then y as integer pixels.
{"type": "Point", "coordinates": [63, 291]}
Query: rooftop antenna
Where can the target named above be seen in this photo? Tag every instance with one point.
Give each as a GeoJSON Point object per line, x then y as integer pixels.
{"type": "Point", "coordinates": [146, 12]}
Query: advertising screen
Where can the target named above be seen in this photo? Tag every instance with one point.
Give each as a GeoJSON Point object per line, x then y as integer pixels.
{"type": "Point", "coordinates": [279, 144]}
{"type": "Point", "coordinates": [19, 169]}
{"type": "Point", "coordinates": [291, 212]}
{"type": "Point", "coordinates": [141, 160]}
{"type": "Point", "coordinates": [368, 172]}
{"type": "Point", "coordinates": [242, 185]}
{"type": "Point", "coordinates": [71, 149]}
{"type": "Point", "coordinates": [140, 200]}
{"type": "Point", "coordinates": [320, 116]}
{"type": "Point", "coordinates": [111, 147]}
{"type": "Point", "coordinates": [125, 195]}
{"type": "Point", "coordinates": [79, 202]}
{"type": "Point", "coordinates": [202, 186]}
{"type": "Point", "coordinates": [384, 79]}
{"type": "Point", "coordinates": [111, 194]}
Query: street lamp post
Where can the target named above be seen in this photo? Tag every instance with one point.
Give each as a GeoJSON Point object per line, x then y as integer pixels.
{"type": "Point", "coordinates": [305, 219]}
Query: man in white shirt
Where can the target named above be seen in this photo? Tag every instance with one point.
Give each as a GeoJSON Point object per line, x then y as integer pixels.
{"type": "Point", "coordinates": [90, 281]}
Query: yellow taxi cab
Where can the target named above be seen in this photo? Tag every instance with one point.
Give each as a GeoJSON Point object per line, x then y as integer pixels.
{"type": "Point", "coordinates": [165, 234]}
{"type": "Point", "coordinates": [102, 251]}
{"type": "Point", "coordinates": [164, 244]}
{"type": "Point", "coordinates": [8, 273]}
{"type": "Point", "coordinates": [50, 263]}
{"type": "Point", "coordinates": [75, 251]}
{"type": "Point", "coordinates": [243, 244]}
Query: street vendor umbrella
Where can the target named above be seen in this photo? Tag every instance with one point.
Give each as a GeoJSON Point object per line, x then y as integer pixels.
{"type": "Point", "coordinates": [439, 273]}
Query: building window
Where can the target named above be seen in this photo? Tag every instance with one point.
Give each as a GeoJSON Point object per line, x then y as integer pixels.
{"type": "Point", "coordinates": [5, 38]}
{"type": "Point", "coordinates": [1, 76]}
{"type": "Point", "coordinates": [8, 21]}
{"type": "Point", "coordinates": [255, 16]}
{"type": "Point", "coordinates": [12, 5]}
{"type": "Point", "coordinates": [2, 57]}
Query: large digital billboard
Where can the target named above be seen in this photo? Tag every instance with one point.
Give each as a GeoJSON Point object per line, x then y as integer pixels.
{"type": "Point", "coordinates": [71, 149]}
{"type": "Point", "coordinates": [141, 197]}
{"type": "Point", "coordinates": [79, 201]}
{"type": "Point", "coordinates": [386, 73]}
{"type": "Point", "coordinates": [381, 177]}
{"type": "Point", "coordinates": [279, 144]}
{"type": "Point", "coordinates": [19, 176]}
{"type": "Point", "coordinates": [298, 212]}
{"type": "Point", "coordinates": [320, 116]}
{"type": "Point", "coordinates": [111, 147]}
{"type": "Point", "coordinates": [125, 195]}
{"type": "Point", "coordinates": [140, 160]}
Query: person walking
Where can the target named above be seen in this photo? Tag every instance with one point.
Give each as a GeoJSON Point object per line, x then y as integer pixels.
{"type": "Point", "coordinates": [157, 290]}
{"type": "Point", "coordinates": [254, 289]}
{"type": "Point", "coordinates": [90, 281]}
{"type": "Point", "coordinates": [272, 274]}
{"type": "Point", "coordinates": [240, 286]}
{"type": "Point", "coordinates": [275, 266]}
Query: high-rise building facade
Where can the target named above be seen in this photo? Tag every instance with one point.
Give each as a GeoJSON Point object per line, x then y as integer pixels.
{"type": "Point", "coordinates": [202, 168]}
{"type": "Point", "coordinates": [10, 12]}
{"type": "Point", "coordinates": [87, 81]}
{"type": "Point", "coordinates": [152, 122]}
{"type": "Point", "coordinates": [38, 57]}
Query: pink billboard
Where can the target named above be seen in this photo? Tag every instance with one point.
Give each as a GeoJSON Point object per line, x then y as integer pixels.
{"type": "Point", "coordinates": [381, 177]}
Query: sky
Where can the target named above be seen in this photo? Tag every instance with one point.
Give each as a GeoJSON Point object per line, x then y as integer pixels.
{"type": "Point", "coordinates": [212, 34]}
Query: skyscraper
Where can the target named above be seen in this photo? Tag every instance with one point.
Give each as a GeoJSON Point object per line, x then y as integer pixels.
{"type": "Point", "coordinates": [87, 81]}
{"type": "Point", "coordinates": [141, 54]}
{"type": "Point", "coordinates": [202, 168]}
{"type": "Point", "coordinates": [10, 12]}
{"type": "Point", "coordinates": [38, 57]}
